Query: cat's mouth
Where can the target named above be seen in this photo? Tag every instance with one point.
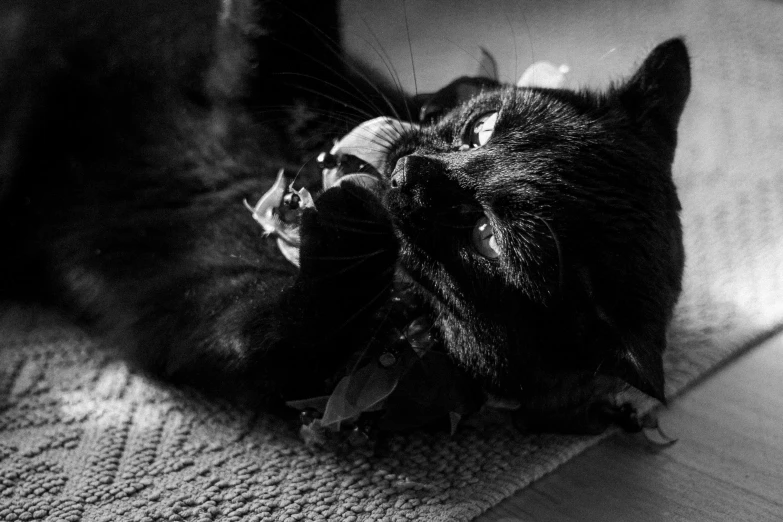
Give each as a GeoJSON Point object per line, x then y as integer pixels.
{"type": "Point", "coordinates": [360, 157]}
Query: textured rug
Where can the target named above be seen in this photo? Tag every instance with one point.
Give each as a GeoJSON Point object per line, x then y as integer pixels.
{"type": "Point", "coordinates": [83, 438]}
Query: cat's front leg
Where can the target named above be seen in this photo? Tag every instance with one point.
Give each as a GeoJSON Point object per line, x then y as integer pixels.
{"type": "Point", "coordinates": [590, 418]}
{"type": "Point", "coordinates": [348, 257]}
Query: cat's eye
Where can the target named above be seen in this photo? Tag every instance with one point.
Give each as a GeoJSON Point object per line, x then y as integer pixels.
{"type": "Point", "coordinates": [481, 130]}
{"type": "Point", "coordinates": [484, 240]}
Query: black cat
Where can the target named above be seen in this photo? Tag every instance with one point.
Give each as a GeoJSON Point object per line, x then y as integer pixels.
{"type": "Point", "coordinates": [539, 227]}
{"type": "Point", "coordinates": [544, 228]}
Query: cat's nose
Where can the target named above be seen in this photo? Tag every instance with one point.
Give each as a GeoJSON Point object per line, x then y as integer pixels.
{"type": "Point", "coordinates": [398, 176]}
{"type": "Point", "coordinates": [411, 168]}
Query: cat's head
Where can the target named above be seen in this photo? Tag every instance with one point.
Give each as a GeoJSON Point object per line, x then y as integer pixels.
{"type": "Point", "coordinates": [541, 225]}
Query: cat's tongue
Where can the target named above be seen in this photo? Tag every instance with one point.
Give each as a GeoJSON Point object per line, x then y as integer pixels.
{"type": "Point", "coordinates": [360, 156]}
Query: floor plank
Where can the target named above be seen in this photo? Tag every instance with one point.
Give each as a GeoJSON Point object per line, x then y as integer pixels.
{"type": "Point", "coordinates": [727, 464]}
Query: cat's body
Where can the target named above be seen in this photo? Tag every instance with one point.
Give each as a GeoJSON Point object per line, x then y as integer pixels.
{"type": "Point", "coordinates": [135, 143]}
{"type": "Point", "coordinates": [146, 127]}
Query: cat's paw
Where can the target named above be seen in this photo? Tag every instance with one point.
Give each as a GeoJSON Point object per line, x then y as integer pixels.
{"type": "Point", "coordinates": [348, 255]}
{"type": "Point", "coordinates": [348, 238]}
{"type": "Point", "coordinates": [592, 418]}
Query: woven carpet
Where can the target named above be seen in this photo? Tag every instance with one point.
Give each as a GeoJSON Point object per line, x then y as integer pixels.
{"type": "Point", "coordinates": [84, 438]}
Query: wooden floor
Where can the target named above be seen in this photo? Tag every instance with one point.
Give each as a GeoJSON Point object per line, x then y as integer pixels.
{"type": "Point", "coordinates": [726, 466]}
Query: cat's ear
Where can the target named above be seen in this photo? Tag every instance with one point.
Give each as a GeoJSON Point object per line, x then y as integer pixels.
{"type": "Point", "coordinates": [629, 347]}
{"type": "Point", "coordinates": [655, 95]}
{"type": "Point", "coordinates": [633, 354]}
{"type": "Point", "coordinates": [639, 362]}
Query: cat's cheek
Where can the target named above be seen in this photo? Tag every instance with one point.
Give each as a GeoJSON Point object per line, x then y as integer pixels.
{"type": "Point", "coordinates": [397, 204]}
{"type": "Point", "coordinates": [400, 209]}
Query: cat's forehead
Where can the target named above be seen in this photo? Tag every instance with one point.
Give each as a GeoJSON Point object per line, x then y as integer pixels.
{"type": "Point", "coordinates": [516, 103]}
{"type": "Point", "coordinates": [522, 118]}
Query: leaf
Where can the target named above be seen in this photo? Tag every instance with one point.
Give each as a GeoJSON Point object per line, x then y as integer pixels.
{"type": "Point", "coordinates": [369, 141]}
{"type": "Point", "coordinates": [501, 403]}
{"type": "Point", "coordinates": [544, 74]}
{"type": "Point", "coordinates": [433, 390]}
{"type": "Point", "coordinates": [271, 213]}
{"type": "Point", "coordinates": [454, 419]}
{"type": "Point", "coordinates": [313, 435]}
{"type": "Point", "coordinates": [304, 196]}
{"type": "Point", "coordinates": [359, 392]}
{"type": "Point", "coordinates": [488, 67]}
{"type": "Point", "coordinates": [264, 211]}
{"type": "Point", "coordinates": [316, 403]}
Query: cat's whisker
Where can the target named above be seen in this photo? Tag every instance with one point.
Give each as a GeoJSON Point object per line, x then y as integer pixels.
{"type": "Point", "coordinates": [348, 258]}
{"type": "Point", "coordinates": [379, 325]}
{"type": "Point", "coordinates": [410, 48]}
{"type": "Point", "coordinates": [378, 232]}
{"type": "Point", "coordinates": [374, 139]}
{"type": "Point", "coordinates": [283, 110]}
{"type": "Point", "coordinates": [560, 267]}
{"type": "Point", "coordinates": [333, 123]}
{"type": "Point", "coordinates": [529, 34]}
{"type": "Point", "coordinates": [471, 55]}
{"type": "Point", "coordinates": [382, 135]}
{"type": "Point", "coordinates": [329, 97]}
{"type": "Point", "coordinates": [357, 261]}
{"type": "Point", "coordinates": [387, 62]}
{"type": "Point", "coordinates": [364, 307]}
{"type": "Point", "coordinates": [516, 50]}
{"type": "Point", "coordinates": [298, 172]}
{"type": "Point", "coordinates": [334, 47]}
{"type": "Point", "coordinates": [450, 226]}
{"type": "Point", "coordinates": [359, 97]}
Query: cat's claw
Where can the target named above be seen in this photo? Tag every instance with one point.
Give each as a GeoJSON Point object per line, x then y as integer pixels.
{"type": "Point", "coordinates": [650, 425]}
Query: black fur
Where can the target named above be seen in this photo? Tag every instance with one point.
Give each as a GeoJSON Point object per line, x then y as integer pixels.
{"type": "Point", "coordinates": [130, 146]}
{"type": "Point", "coordinates": [586, 213]}
{"type": "Point", "coordinates": [146, 128]}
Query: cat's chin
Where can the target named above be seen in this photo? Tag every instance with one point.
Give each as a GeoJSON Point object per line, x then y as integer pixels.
{"type": "Point", "coordinates": [411, 272]}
